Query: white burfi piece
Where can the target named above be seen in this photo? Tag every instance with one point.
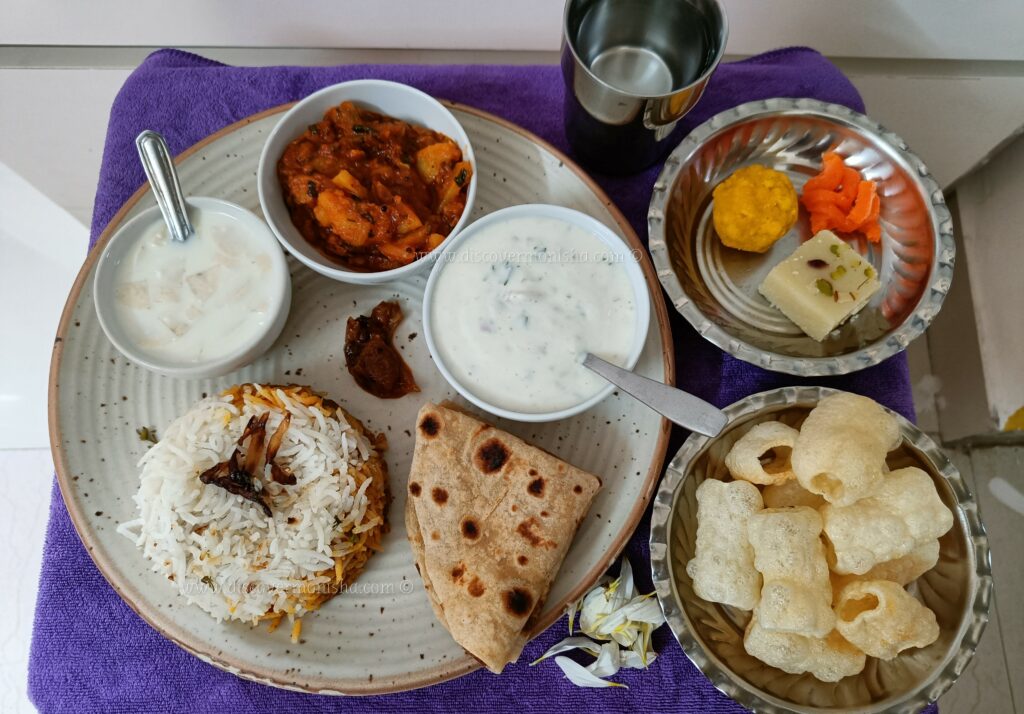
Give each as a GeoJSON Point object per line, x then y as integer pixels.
{"type": "Point", "coordinates": [821, 284]}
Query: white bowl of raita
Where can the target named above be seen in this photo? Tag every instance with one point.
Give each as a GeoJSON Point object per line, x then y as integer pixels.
{"type": "Point", "coordinates": [519, 298]}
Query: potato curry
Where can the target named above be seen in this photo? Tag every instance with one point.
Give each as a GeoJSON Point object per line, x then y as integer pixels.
{"type": "Point", "coordinates": [373, 192]}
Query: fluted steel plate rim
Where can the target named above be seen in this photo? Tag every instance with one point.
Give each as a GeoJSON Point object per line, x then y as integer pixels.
{"type": "Point", "coordinates": [730, 683]}
{"type": "Point", "coordinates": [912, 327]}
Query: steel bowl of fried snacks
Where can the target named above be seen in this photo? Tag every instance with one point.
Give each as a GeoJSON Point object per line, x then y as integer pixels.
{"type": "Point", "coordinates": [722, 217]}
{"type": "Point", "coordinates": [821, 554]}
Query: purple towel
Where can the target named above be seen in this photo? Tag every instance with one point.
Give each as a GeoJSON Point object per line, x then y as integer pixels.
{"type": "Point", "coordinates": [90, 652]}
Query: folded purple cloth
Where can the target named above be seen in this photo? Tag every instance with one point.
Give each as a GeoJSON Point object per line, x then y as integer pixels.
{"type": "Point", "coordinates": [91, 652]}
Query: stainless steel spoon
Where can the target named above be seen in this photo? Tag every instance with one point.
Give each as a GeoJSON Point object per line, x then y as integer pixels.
{"type": "Point", "coordinates": [677, 406]}
{"type": "Point", "coordinates": [163, 179]}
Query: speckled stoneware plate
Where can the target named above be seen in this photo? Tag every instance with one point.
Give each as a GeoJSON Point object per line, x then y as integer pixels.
{"type": "Point", "coordinates": [958, 589]}
{"type": "Point", "coordinates": [384, 638]}
{"type": "Point", "coordinates": [716, 288]}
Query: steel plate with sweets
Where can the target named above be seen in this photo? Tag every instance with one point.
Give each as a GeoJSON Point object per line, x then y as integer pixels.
{"type": "Point", "coordinates": [734, 255]}
{"type": "Point", "coordinates": [381, 619]}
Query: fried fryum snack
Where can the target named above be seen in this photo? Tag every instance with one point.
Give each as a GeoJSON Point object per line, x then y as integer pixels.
{"type": "Point", "coordinates": [723, 567]}
{"type": "Point", "coordinates": [904, 514]}
{"type": "Point", "coordinates": [828, 658]}
{"type": "Point", "coordinates": [882, 619]}
{"type": "Point", "coordinates": [840, 453]}
{"type": "Point", "coordinates": [788, 552]}
{"type": "Point", "coordinates": [901, 571]}
{"type": "Point", "coordinates": [762, 455]}
{"type": "Point", "coordinates": [790, 493]}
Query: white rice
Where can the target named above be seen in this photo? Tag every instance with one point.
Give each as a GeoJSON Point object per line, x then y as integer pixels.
{"type": "Point", "coordinates": [218, 569]}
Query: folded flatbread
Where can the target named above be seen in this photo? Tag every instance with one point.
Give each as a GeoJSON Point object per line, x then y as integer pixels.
{"type": "Point", "coordinates": [490, 519]}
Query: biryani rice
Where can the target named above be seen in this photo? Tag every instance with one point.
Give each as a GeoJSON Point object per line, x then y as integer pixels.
{"type": "Point", "coordinates": [224, 554]}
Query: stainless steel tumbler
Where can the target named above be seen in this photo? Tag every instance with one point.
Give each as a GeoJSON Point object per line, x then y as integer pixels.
{"type": "Point", "coordinates": [632, 69]}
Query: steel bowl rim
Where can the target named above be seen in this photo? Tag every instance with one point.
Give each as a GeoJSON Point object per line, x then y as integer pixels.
{"type": "Point", "coordinates": [723, 679]}
{"type": "Point", "coordinates": [941, 269]}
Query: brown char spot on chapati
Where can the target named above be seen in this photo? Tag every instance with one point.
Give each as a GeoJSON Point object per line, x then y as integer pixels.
{"type": "Point", "coordinates": [476, 587]}
{"type": "Point", "coordinates": [491, 456]}
{"type": "Point", "coordinates": [518, 601]}
{"type": "Point", "coordinates": [526, 530]}
{"type": "Point", "coordinates": [470, 529]}
{"type": "Point", "coordinates": [536, 487]}
{"type": "Point", "coordinates": [523, 560]}
{"type": "Point", "coordinates": [430, 426]}
{"type": "Point", "coordinates": [415, 488]}
{"type": "Point", "coordinates": [439, 495]}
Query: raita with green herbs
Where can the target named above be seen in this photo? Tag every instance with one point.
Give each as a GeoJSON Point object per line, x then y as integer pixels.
{"type": "Point", "coordinates": [520, 303]}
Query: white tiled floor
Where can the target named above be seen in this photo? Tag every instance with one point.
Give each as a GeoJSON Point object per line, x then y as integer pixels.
{"type": "Point", "coordinates": [25, 476]}
{"type": "Point", "coordinates": [42, 247]}
{"type": "Point", "coordinates": [992, 683]}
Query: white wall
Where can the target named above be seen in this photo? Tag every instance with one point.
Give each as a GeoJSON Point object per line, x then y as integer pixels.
{"type": "Point", "coordinates": [913, 29]}
{"type": "Point", "coordinates": [992, 223]}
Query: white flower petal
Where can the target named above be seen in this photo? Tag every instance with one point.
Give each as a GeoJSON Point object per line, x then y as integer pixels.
{"type": "Point", "coordinates": [625, 637]}
{"type": "Point", "coordinates": [623, 592]}
{"type": "Point", "coordinates": [626, 578]}
{"type": "Point", "coordinates": [642, 646]}
{"type": "Point", "coordinates": [632, 660]}
{"type": "Point", "coordinates": [607, 662]}
{"type": "Point", "coordinates": [570, 643]}
{"type": "Point", "coordinates": [644, 609]}
{"type": "Point", "coordinates": [639, 645]}
{"type": "Point", "coordinates": [613, 622]}
{"type": "Point", "coordinates": [578, 674]}
{"type": "Point", "coordinates": [595, 608]}
{"type": "Point", "coordinates": [615, 614]}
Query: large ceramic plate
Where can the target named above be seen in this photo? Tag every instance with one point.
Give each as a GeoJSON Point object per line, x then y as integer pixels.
{"type": "Point", "coordinates": [383, 637]}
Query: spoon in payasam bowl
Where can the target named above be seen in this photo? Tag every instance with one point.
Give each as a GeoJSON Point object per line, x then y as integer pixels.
{"type": "Point", "coordinates": [164, 183]}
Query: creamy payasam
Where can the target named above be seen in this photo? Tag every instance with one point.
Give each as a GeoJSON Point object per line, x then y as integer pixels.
{"type": "Point", "coordinates": [197, 300]}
